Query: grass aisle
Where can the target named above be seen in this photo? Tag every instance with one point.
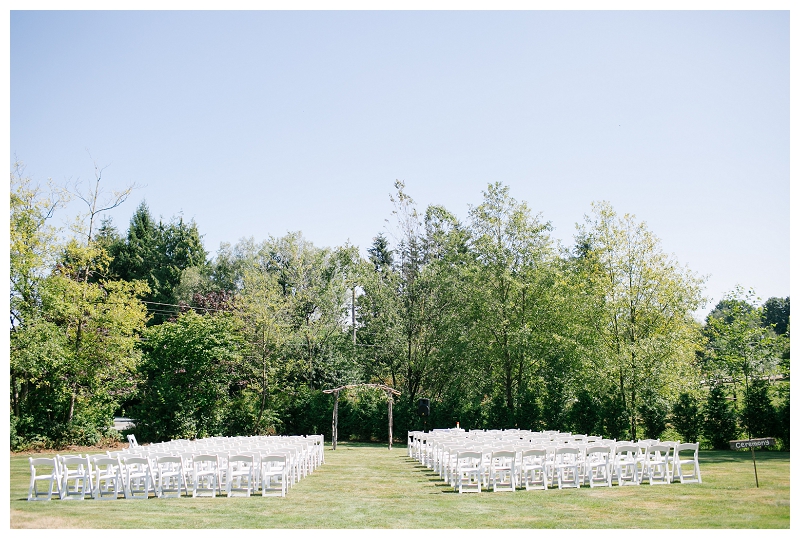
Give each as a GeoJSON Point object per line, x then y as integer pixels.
{"type": "Point", "coordinates": [366, 486]}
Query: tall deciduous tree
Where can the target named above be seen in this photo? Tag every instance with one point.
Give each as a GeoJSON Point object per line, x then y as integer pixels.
{"type": "Point", "coordinates": [643, 301]}
{"type": "Point", "coordinates": [510, 247]}
{"type": "Point", "coordinates": [74, 353]}
{"type": "Point", "coordinates": [740, 347]}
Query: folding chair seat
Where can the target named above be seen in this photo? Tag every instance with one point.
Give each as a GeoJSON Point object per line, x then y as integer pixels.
{"type": "Point", "coordinates": [692, 475]}
{"type": "Point", "coordinates": [48, 472]}
{"type": "Point", "coordinates": [469, 471]}
{"type": "Point", "coordinates": [170, 477]}
{"type": "Point", "coordinates": [567, 466]}
{"type": "Point", "coordinates": [205, 475]}
{"type": "Point", "coordinates": [533, 468]}
{"type": "Point", "coordinates": [75, 477]}
{"type": "Point", "coordinates": [503, 471]}
{"type": "Point", "coordinates": [598, 465]}
{"type": "Point", "coordinates": [138, 478]}
{"type": "Point", "coordinates": [240, 475]}
{"type": "Point", "coordinates": [108, 481]}
{"type": "Point", "coordinates": [626, 464]}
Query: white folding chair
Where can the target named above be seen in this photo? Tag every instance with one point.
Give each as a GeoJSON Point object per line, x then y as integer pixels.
{"type": "Point", "coordinates": [532, 467]}
{"type": "Point", "coordinates": [273, 469]}
{"type": "Point", "coordinates": [138, 478]}
{"type": "Point", "coordinates": [205, 475]}
{"type": "Point", "coordinates": [108, 481]}
{"type": "Point", "coordinates": [503, 471]}
{"type": "Point", "coordinates": [598, 465]}
{"type": "Point", "coordinates": [657, 464]}
{"type": "Point", "coordinates": [692, 475]}
{"type": "Point", "coordinates": [671, 462]}
{"type": "Point", "coordinates": [566, 467]}
{"type": "Point", "coordinates": [469, 469]}
{"type": "Point", "coordinates": [240, 475]}
{"type": "Point", "coordinates": [169, 477]}
{"type": "Point", "coordinates": [626, 464]}
{"type": "Point", "coordinates": [48, 471]}
{"type": "Point", "coordinates": [75, 477]}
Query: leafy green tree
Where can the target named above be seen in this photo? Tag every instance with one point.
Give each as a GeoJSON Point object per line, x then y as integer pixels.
{"type": "Point", "coordinates": [509, 244]}
{"type": "Point", "coordinates": [643, 302]}
{"type": "Point", "coordinates": [719, 425]}
{"type": "Point", "coordinates": [687, 418]}
{"type": "Point", "coordinates": [380, 330]}
{"type": "Point", "coordinates": [776, 314]}
{"type": "Point", "coordinates": [421, 316]}
{"type": "Point", "coordinates": [74, 334]}
{"type": "Point", "coordinates": [33, 242]}
{"type": "Point", "coordinates": [192, 370]}
{"type": "Point", "coordinates": [739, 346]}
{"type": "Point", "coordinates": [36, 344]}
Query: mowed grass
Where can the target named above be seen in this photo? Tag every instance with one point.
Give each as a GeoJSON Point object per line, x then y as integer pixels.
{"type": "Point", "coordinates": [367, 486]}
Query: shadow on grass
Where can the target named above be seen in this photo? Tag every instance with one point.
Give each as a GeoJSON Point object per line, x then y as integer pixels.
{"type": "Point", "coordinates": [384, 445]}
{"type": "Point", "coordinates": [726, 457]}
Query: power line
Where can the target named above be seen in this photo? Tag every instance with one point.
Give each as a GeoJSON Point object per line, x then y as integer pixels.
{"type": "Point", "coordinates": [185, 306]}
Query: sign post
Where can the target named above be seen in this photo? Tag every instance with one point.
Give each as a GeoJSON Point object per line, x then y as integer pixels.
{"type": "Point", "coordinates": [751, 443]}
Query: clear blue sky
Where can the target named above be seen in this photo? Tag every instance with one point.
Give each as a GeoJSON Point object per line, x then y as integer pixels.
{"type": "Point", "coordinates": [259, 123]}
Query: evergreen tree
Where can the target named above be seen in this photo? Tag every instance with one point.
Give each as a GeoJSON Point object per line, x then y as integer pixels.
{"type": "Point", "coordinates": [759, 417]}
{"type": "Point", "coordinates": [157, 253]}
{"type": "Point", "coordinates": [585, 414]}
{"type": "Point", "coordinates": [783, 424]}
{"type": "Point", "coordinates": [686, 417]}
{"type": "Point", "coordinates": [653, 411]}
{"type": "Point", "coordinates": [719, 427]}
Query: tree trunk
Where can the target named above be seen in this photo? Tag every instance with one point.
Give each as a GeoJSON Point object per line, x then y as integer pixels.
{"type": "Point", "coordinates": [335, 423]}
{"type": "Point", "coordinates": [390, 419]}
{"type": "Point", "coordinates": [71, 406]}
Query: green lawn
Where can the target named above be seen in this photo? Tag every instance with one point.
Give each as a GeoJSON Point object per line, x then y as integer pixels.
{"type": "Point", "coordinates": [367, 486]}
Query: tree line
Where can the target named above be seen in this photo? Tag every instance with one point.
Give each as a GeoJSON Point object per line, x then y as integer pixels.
{"type": "Point", "coordinates": [494, 321]}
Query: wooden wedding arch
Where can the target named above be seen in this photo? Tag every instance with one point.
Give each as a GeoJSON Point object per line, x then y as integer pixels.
{"type": "Point", "coordinates": [390, 392]}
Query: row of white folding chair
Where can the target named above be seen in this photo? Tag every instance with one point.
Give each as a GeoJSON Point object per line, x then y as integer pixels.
{"type": "Point", "coordinates": [303, 457]}
{"type": "Point", "coordinates": [470, 471]}
{"type": "Point", "coordinates": [595, 464]}
{"type": "Point", "coordinates": [205, 475]}
{"type": "Point", "coordinates": [142, 477]}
